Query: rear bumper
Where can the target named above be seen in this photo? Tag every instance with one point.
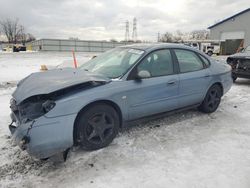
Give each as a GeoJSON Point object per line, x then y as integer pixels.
{"type": "Point", "coordinates": [44, 137]}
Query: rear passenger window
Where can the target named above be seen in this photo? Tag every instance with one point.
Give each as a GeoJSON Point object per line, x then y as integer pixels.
{"type": "Point", "coordinates": [205, 60]}
{"type": "Point", "coordinates": [188, 61]}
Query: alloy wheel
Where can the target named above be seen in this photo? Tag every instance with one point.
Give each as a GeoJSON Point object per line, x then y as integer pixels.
{"type": "Point", "coordinates": [213, 99]}
{"type": "Point", "coordinates": [99, 128]}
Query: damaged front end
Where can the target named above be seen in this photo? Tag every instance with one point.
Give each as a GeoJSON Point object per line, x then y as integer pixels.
{"type": "Point", "coordinates": [32, 130]}
{"type": "Point", "coordinates": [25, 115]}
{"type": "Point", "coordinates": [38, 105]}
{"type": "Point", "coordinates": [31, 109]}
{"type": "Point", "coordinates": [240, 67]}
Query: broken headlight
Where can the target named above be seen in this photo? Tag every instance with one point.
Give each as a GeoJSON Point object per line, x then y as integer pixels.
{"type": "Point", "coordinates": [32, 109]}
{"type": "Point", "coordinates": [13, 105]}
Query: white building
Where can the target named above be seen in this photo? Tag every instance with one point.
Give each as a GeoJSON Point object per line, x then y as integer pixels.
{"type": "Point", "coordinates": [233, 32]}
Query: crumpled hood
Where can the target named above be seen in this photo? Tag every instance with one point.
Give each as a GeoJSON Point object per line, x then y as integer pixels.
{"type": "Point", "coordinates": [53, 80]}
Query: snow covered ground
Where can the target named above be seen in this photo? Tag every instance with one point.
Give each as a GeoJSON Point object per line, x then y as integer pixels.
{"type": "Point", "coordinates": [15, 66]}
{"type": "Point", "coordinates": [188, 149]}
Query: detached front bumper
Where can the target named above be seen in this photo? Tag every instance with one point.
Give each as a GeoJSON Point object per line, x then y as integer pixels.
{"type": "Point", "coordinates": [44, 137]}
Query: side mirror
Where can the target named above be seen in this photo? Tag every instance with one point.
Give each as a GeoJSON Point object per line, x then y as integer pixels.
{"type": "Point", "coordinates": [143, 74]}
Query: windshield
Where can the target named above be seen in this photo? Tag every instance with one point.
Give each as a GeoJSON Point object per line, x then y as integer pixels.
{"type": "Point", "coordinates": [113, 63]}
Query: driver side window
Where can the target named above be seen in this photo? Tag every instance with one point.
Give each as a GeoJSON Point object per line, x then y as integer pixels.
{"type": "Point", "coordinates": [157, 63]}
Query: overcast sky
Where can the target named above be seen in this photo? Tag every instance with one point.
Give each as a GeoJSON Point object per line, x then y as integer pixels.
{"type": "Point", "coordinates": [105, 19]}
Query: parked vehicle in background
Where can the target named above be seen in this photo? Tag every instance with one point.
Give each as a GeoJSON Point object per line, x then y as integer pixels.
{"type": "Point", "coordinates": [15, 48]}
{"type": "Point", "coordinates": [7, 49]}
{"type": "Point", "coordinates": [56, 109]}
{"type": "Point", "coordinates": [210, 48]}
{"type": "Point", "coordinates": [240, 63]}
{"type": "Point", "coordinates": [194, 45]}
{"type": "Point", "coordinates": [19, 48]}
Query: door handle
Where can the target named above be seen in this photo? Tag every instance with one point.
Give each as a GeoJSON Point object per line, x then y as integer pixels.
{"type": "Point", "coordinates": [207, 76]}
{"type": "Point", "coordinates": [171, 82]}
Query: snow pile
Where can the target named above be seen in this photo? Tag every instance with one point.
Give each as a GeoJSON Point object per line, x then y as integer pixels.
{"type": "Point", "coordinates": [188, 149]}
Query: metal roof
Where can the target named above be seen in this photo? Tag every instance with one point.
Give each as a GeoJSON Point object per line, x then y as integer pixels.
{"type": "Point", "coordinates": [238, 14]}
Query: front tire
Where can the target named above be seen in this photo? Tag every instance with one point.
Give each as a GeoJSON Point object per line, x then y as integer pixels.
{"type": "Point", "coordinates": [212, 99]}
{"type": "Point", "coordinates": [97, 126]}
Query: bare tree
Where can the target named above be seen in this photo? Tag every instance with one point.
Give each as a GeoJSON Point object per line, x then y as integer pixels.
{"type": "Point", "coordinates": [200, 34]}
{"type": "Point", "coordinates": [15, 32]}
{"type": "Point", "coordinates": [10, 29]}
{"type": "Point", "coordinates": [178, 36]}
{"type": "Point", "coordinates": [30, 37]}
{"type": "Point", "coordinates": [167, 37]}
{"type": "Point", "coordinates": [22, 36]}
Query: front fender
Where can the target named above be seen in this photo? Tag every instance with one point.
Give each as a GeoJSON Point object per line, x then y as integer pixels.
{"type": "Point", "coordinates": [74, 103]}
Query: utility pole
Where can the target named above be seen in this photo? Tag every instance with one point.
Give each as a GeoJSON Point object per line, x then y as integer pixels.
{"type": "Point", "coordinates": [127, 31]}
{"type": "Point", "coordinates": [158, 37]}
{"type": "Point", "coordinates": [134, 34]}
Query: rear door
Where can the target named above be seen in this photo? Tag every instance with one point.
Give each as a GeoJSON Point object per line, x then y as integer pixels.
{"type": "Point", "coordinates": [194, 77]}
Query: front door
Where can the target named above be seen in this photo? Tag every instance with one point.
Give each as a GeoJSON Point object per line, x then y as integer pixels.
{"type": "Point", "coordinates": [159, 91]}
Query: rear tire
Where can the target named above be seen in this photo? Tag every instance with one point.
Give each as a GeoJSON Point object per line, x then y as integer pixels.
{"type": "Point", "coordinates": [212, 99]}
{"type": "Point", "coordinates": [97, 126]}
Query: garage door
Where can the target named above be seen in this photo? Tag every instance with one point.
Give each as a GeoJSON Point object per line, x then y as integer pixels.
{"type": "Point", "coordinates": [232, 35]}
{"type": "Point", "coordinates": [232, 46]}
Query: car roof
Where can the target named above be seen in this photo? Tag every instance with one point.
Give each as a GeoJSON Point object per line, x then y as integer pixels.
{"type": "Point", "coordinates": [154, 46]}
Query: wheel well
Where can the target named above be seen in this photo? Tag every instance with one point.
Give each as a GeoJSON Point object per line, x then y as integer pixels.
{"type": "Point", "coordinates": [221, 86]}
{"type": "Point", "coordinates": [107, 102]}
